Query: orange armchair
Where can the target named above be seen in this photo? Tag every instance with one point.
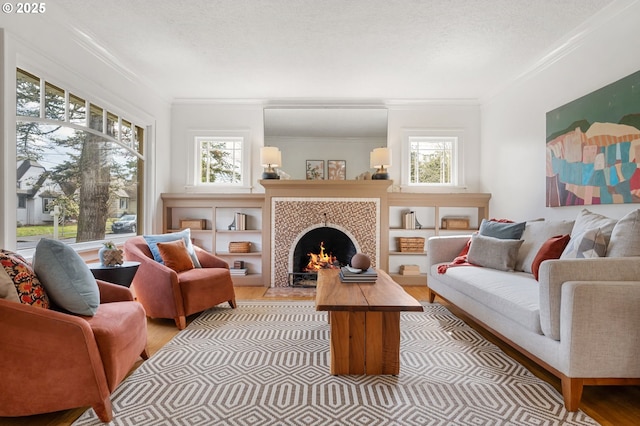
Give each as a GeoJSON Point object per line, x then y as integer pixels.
{"type": "Point", "coordinates": [51, 361]}
{"type": "Point", "coordinates": [165, 293]}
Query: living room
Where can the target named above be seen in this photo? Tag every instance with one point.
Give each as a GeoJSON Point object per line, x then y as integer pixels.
{"type": "Point", "coordinates": [499, 113]}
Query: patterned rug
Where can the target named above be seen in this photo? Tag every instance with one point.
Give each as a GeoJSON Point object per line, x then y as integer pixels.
{"type": "Point", "coordinates": [267, 363]}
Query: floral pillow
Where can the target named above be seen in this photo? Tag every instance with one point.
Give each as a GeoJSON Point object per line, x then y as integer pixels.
{"type": "Point", "coordinates": [30, 290]}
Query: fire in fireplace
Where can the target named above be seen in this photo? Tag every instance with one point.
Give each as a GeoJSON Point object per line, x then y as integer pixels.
{"type": "Point", "coordinates": [322, 247]}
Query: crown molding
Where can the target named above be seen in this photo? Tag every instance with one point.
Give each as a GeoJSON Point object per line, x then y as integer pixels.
{"type": "Point", "coordinates": [565, 46]}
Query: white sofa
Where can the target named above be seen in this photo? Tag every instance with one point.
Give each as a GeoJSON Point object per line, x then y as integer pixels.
{"type": "Point", "coordinates": [580, 319]}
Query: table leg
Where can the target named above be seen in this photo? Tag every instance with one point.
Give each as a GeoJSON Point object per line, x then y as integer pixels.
{"type": "Point", "coordinates": [347, 354]}
{"type": "Point", "coordinates": [382, 343]}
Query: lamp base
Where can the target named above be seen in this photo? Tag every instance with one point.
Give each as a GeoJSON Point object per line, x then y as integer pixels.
{"type": "Point", "coordinates": [270, 175]}
{"type": "Point", "coordinates": [380, 176]}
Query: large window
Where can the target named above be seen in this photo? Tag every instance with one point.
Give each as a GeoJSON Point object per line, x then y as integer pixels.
{"type": "Point", "coordinates": [432, 160]}
{"type": "Point", "coordinates": [76, 160]}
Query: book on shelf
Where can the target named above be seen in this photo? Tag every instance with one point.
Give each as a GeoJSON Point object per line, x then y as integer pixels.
{"type": "Point", "coordinates": [238, 271]}
{"type": "Point", "coordinates": [347, 275]}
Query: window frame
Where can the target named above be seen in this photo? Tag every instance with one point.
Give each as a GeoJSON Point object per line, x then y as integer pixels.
{"type": "Point", "coordinates": [453, 135]}
{"type": "Point", "coordinates": [136, 140]}
{"type": "Point", "coordinates": [194, 182]}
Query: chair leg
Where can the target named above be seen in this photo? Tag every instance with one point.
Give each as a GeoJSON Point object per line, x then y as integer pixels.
{"type": "Point", "coordinates": [145, 354]}
{"type": "Point", "coordinates": [181, 322]}
{"type": "Point", "coordinates": [233, 304]}
{"type": "Point", "coordinates": [104, 410]}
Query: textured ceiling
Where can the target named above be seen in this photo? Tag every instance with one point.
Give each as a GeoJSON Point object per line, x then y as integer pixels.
{"type": "Point", "coordinates": [329, 49]}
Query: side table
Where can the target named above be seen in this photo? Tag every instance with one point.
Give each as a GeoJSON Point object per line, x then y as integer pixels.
{"type": "Point", "coordinates": [122, 274]}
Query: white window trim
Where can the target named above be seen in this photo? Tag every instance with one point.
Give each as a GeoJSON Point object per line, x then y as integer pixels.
{"type": "Point", "coordinates": [458, 152]}
{"type": "Point", "coordinates": [193, 171]}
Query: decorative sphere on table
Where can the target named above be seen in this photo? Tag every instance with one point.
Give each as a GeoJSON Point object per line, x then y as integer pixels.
{"type": "Point", "coordinates": [360, 261]}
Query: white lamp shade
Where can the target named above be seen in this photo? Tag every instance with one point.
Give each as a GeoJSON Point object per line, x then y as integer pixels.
{"type": "Point", "coordinates": [380, 157]}
{"type": "Point", "coordinates": [270, 156]}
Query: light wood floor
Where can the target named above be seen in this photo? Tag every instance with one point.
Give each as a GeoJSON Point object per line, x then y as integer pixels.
{"type": "Point", "coordinates": [608, 405]}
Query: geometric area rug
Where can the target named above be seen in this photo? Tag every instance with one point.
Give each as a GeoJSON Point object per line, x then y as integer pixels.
{"type": "Point", "coordinates": [267, 363]}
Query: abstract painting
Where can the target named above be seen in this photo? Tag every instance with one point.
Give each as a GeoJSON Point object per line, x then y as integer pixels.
{"type": "Point", "coordinates": [593, 147]}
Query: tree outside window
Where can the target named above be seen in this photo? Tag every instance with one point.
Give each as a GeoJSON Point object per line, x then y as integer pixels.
{"type": "Point", "coordinates": [220, 160]}
{"type": "Point", "coordinates": [432, 160]}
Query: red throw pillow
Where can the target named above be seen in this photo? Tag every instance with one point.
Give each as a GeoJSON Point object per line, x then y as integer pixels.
{"type": "Point", "coordinates": [551, 249]}
{"type": "Point", "coordinates": [175, 255]}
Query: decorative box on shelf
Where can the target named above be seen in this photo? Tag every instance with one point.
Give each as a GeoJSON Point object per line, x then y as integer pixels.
{"type": "Point", "coordinates": [411, 244]}
{"type": "Point", "coordinates": [195, 224]}
{"type": "Point", "coordinates": [455, 223]}
{"type": "Point", "coordinates": [239, 246]}
{"type": "Point", "coordinates": [409, 270]}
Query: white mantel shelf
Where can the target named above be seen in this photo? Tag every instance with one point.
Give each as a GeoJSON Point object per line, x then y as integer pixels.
{"type": "Point", "coordinates": [333, 188]}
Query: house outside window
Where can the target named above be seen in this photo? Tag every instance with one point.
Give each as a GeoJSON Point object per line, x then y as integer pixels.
{"type": "Point", "coordinates": [433, 159]}
{"type": "Point", "coordinates": [75, 154]}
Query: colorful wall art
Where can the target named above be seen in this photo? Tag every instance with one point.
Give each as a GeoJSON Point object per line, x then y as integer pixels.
{"type": "Point", "coordinates": [593, 147]}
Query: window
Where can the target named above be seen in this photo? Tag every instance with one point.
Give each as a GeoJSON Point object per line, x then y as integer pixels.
{"type": "Point", "coordinates": [221, 159]}
{"type": "Point", "coordinates": [74, 154]}
{"type": "Point", "coordinates": [432, 160]}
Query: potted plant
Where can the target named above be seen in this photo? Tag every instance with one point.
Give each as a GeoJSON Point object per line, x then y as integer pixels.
{"type": "Point", "coordinates": [110, 255]}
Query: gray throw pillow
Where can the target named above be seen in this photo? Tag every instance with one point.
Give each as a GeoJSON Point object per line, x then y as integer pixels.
{"type": "Point", "coordinates": [496, 253]}
{"type": "Point", "coordinates": [507, 231]}
{"type": "Point", "coordinates": [591, 243]}
{"type": "Point", "coordinates": [66, 277]}
{"type": "Point", "coordinates": [625, 237]}
{"type": "Point", "coordinates": [535, 234]}
{"type": "Point", "coordinates": [587, 220]}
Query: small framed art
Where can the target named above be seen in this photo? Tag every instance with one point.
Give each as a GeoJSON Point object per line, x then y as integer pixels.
{"type": "Point", "coordinates": [337, 169]}
{"type": "Point", "coordinates": [315, 169]}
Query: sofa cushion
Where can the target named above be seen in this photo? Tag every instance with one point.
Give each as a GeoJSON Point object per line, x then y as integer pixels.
{"type": "Point", "coordinates": [493, 253]}
{"type": "Point", "coordinates": [28, 286]}
{"type": "Point", "coordinates": [513, 294]}
{"type": "Point", "coordinates": [589, 244]}
{"type": "Point", "coordinates": [66, 277]}
{"type": "Point", "coordinates": [185, 234]}
{"type": "Point", "coordinates": [504, 230]}
{"type": "Point", "coordinates": [535, 235]}
{"type": "Point", "coordinates": [551, 249]}
{"type": "Point", "coordinates": [587, 220]}
{"type": "Point", "coordinates": [175, 255]}
{"type": "Point", "coordinates": [7, 288]}
{"type": "Point", "coordinates": [625, 237]}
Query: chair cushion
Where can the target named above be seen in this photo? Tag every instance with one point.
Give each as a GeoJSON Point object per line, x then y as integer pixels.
{"type": "Point", "coordinates": [7, 288]}
{"type": "Point", "coordinates": [29, 288]}
{"type": "Point", "coordinates": [120, 330]}
{"type": "Point", "coordinates": [175, 255]}
{"type": "Point", "coordinates": [66, 277]}
{"type": "Point", "coordinates": [153, 240]}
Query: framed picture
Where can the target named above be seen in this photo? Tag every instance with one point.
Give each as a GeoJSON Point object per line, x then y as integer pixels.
{"type": "Point", "coordinates": [315, 169]}
{"type": "Point", "coordinates": [337, 169]}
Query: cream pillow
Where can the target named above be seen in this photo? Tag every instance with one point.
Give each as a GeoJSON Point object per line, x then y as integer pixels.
{"type": "Point", "coordinates": [535, 235]}
{"type": "Point", "coordinates": [587, 220]}
{"type": "Point", "coordinates": [625, 237]}
{"type": "Point", "coordinates": [7, 287]}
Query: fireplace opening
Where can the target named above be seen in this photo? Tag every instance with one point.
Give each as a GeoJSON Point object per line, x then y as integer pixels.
{"type": "Point", "coordinates": [319, 248]}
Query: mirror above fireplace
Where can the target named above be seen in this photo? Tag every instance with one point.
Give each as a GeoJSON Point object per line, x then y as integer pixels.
{"type": "Point", "coordinates": [325, 133]}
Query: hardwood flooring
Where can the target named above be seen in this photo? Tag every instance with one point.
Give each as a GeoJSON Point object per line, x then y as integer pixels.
{"type": "Point", "coordinates": [608, 405]}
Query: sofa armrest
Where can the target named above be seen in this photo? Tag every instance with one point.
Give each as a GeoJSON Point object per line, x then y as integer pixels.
{"type": "Point", "coordinates": [110, 292]}
{"type": "Point", "coordinates": [554, 273]}
{"type": "Point", "coordinates": [34, 339]}
{"type": "Point", "coordinates": [599, 331]}
{"type": "Point", "coordinates": [445, 248]}
{"type": "Point", "coordinates": [208, 260]}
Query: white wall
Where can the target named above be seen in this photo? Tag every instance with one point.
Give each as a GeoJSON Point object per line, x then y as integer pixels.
{"type": "Point", "coordinates": [514, 126]}
{"type": "Point", "coordinates": [49, 46]}
{"type": "Point", "coordinates": [219, 116]}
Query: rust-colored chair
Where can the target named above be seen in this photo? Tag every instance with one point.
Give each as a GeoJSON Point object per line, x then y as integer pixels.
{"type": "Point", "coordinates": [52, 361]}
{"type": "Point", "coordinates": [165, 293]}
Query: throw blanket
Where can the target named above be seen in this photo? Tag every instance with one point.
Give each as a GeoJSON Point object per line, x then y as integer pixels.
{"type": "Point", "coordinates": [461, 260]}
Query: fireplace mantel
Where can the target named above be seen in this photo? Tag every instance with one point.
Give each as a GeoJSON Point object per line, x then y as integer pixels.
{"type": "Point", "coordinates": [325, 188]}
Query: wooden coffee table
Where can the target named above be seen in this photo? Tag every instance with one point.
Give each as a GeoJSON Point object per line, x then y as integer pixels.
{"type": "Point", "coordinates": [365, 322]}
